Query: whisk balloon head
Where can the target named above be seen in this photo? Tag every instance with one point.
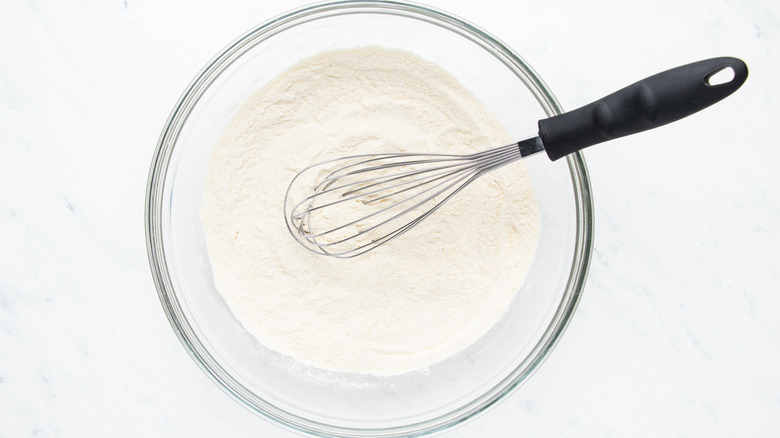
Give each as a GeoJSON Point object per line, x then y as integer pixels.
{"type": "Point", "coordinates": [348, 206]}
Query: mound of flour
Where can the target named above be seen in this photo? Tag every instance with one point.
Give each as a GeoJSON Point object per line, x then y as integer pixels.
{"type": "Point", "coordinates": [408, 304]}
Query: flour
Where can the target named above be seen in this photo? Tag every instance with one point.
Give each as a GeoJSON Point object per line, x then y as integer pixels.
{"type": "Point", "coordinates": [408, 304]}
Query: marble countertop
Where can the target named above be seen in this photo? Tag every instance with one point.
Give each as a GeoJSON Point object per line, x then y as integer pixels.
{"type": "Point", "coordinates": [677, 333]}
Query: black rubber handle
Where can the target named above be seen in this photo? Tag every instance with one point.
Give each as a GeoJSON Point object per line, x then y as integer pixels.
{"type": "Point", "coordinates": [647, 104]}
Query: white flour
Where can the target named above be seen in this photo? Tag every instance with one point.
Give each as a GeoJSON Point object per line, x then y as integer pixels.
{"type": "Point", "coordinates": [408, 304]}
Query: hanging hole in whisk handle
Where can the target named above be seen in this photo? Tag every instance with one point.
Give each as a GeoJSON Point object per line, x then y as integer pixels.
{"type": "Point", "coordinates": [720, 77]}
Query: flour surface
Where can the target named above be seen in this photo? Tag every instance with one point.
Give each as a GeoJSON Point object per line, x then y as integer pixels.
{"type": "Point", "coordinates": [408, 304]}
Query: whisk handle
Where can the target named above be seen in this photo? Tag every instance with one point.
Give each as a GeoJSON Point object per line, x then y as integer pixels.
{"type": "Point", "coordinates": [647, 104]}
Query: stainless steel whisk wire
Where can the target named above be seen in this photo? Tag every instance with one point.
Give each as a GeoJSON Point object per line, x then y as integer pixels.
{"type": "Point", "coordinates": [448, 171]}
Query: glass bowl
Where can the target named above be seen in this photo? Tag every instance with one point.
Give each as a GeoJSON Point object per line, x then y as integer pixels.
{"type": "Point", "coordinates": [325, 403]}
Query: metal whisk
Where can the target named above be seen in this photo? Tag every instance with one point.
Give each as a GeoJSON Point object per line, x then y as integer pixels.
{"type": "Point", "coordinates": [348, 206]}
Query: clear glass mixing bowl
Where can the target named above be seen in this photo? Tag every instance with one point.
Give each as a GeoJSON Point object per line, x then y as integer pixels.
{"type": "Point", "coordinates": [340, 404]}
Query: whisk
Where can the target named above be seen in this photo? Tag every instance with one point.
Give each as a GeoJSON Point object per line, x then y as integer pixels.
{"type": "Point", "coordinates": [348, 206]}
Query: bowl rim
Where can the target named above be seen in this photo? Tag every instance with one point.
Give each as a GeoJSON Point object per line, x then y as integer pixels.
{"type": "Point", "coordinates": [156, 251]}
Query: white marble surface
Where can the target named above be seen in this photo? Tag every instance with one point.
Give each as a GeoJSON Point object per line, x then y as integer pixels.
{"type": "Point", "coordinates": [677, 333]}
